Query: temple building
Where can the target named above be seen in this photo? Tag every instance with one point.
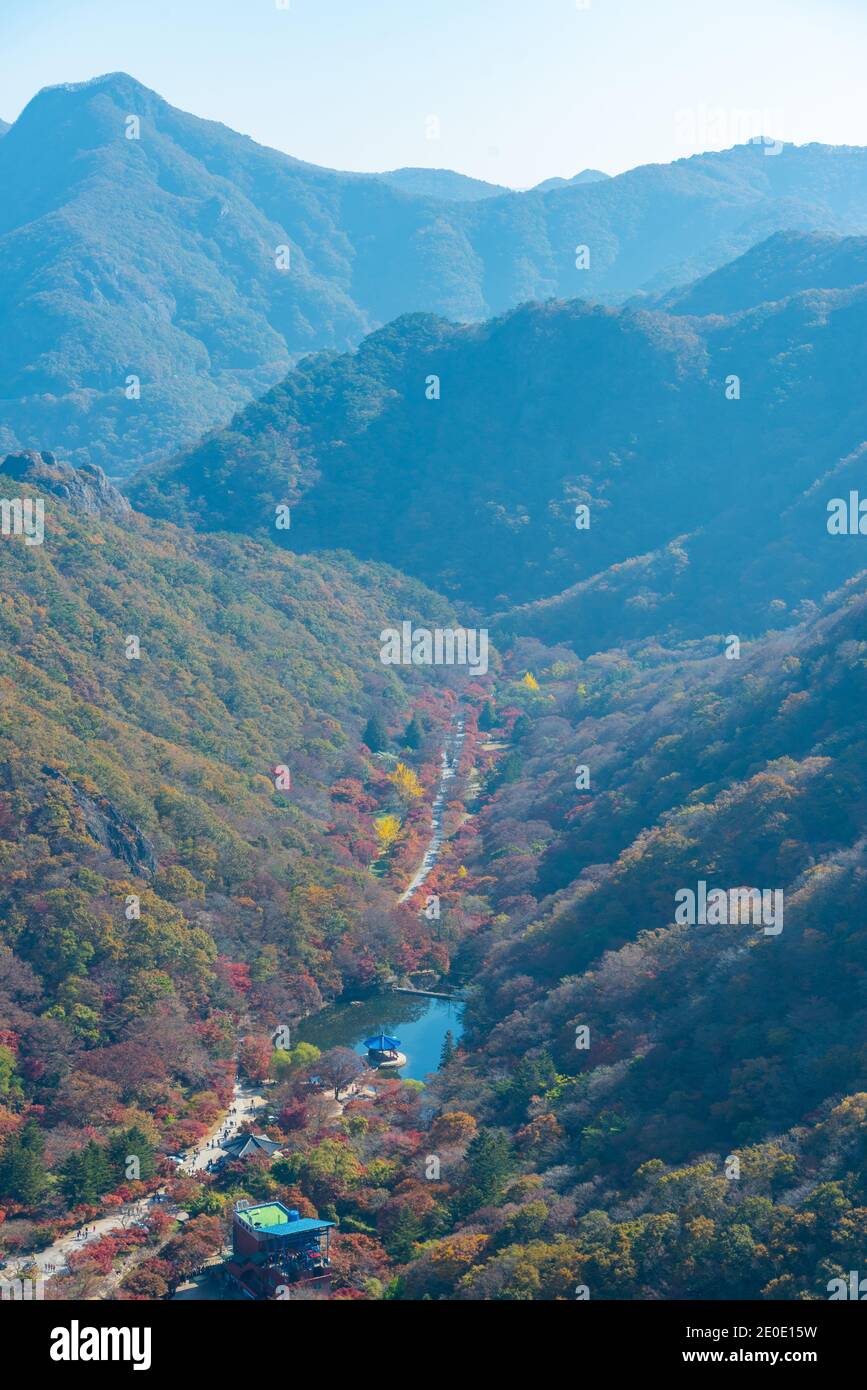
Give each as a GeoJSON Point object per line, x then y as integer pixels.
{"type": "Point", "coordinates": [247, 1145]}
{"type": "Point", "coordinates": [274, 1247]}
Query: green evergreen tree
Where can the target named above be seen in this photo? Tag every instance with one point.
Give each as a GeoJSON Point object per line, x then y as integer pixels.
{"type": "Point", "coordinates": [533, 1076]}
{"type": "Point", "coordinates": [375, 734]}
{"type": "Point", "coordinates": [488, 716]}
{"type": "Point", "coordinates": [127, 1144]}
{"type": "Point", "coordinates": [73, 1179]}
{"type": "Point", "coordinates": [406, 1231]}
{"type": "Point", "coordinates": [22, 1171]}
{"type": "Point", "coordinates": [413, 734]}
{"type": "Point", "coordinates": [448, 1048]}
{"type": "Point", "coordinates": [488, 1164]}
{"type": "Point", "coordinates": [507, 770]}
{"type": "Point", "coordinates": [98, 1176]}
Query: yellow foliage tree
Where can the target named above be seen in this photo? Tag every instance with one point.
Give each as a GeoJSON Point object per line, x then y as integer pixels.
{"type": "Point", "coordinates": [406, 783]}
{"type": "Point", "coordinates": [387, 829]}
{"type": "Point", "coordinates": [530, 681]}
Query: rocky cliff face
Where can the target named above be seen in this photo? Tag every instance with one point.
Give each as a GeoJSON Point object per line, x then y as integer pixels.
{"type": "Point", "coordinates": [87, 489]}
{"type": "Point", "coordinates": [105, 824]}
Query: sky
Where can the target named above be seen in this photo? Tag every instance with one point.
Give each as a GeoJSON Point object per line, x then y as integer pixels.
{"type": "Point", "coordinates": [511, 91]}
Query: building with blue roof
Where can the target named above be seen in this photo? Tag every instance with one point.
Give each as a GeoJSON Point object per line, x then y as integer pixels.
{"type": "Point", "coordinates": [273, 1246]}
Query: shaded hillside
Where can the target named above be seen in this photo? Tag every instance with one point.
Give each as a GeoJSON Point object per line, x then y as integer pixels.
{"type": "Point", "coordinates": [159, 257]}
{"type": "Point", "coordinates": [741, 772]}
{"type": "Point", "coordinates": [705, 511]}
{"type": "Point", "coordinates": [705, 1044]}
{"type": "Point", "coordinates": [781, 266]}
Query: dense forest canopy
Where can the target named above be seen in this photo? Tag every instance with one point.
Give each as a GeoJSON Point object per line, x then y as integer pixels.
{"type": "Point", "coordinates": [216, 794]}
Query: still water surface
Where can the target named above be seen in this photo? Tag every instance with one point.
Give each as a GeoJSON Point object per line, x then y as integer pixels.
{"type": "Point", "coordinates": [419, 1022]}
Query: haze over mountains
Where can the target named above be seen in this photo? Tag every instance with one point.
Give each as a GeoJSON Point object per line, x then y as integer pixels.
{"type": "Point", "coordinates": [707, 512]}
{"type": "Point", "coordinates": [434, 463]}
{"type": "Point", "coordinates": [446, 184]}
{"type": "Point", "coordinates": [156, 257]}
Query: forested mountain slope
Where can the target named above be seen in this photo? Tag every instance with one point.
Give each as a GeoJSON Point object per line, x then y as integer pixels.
{"type": "Point", "coordinates": [774, 269]}
{"type": "Point", "coordinates": [705, 1136]}
{"type": "Point", "coordinates": [706, 450]}
{"type": "Point", "coordinates": [187, 810]}
{"type": "Point", "coordinates": [142, 242]}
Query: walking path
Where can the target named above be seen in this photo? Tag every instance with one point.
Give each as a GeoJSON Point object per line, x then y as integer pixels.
{"type": "Point", "coordinates": [246, 1102]}
{"type": "Point", "coordinates": [451, 756]}
{"type": "Point", "coordinates": [52, 1260]}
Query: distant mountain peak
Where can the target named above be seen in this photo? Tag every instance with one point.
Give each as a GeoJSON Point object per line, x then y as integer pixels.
{"type": "Point", "coordinates": [585, 176]}
{"type": "Point", "coordinates": [118, 80]}
{"type": "Point", "coordinates": [442, 183]}
{"type": "Point", "coordinates": [201, 314]}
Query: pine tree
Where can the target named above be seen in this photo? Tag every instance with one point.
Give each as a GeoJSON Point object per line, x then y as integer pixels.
{"type": "Point", "coordinates": [73, 1178]}
{"type": "Point", "coordinates": [448, 1048]}
{"type": "Point", "coordinates": [375, 734]}
{"type": "Point", "coordinates": [22, 1171]}
{"type": "Point", "coordinates": [488, 716]}
{"type": "Point", "coordinates": [141, 1147]}
{"type": "Point", "coordinates": [127, 1144]}
{"type": "Point", "coordinates": [413, 734]}
{"type": "Point", "coordinates": [505, 771]}
{"type": "Point", "coordinates": [99, 1169]}
{"type": "Point", "coordinates": [407, 1229]}
{"type": "Point", "coordinates": [488, 1164]}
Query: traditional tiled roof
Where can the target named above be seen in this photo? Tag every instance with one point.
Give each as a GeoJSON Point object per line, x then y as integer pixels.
{"type": "Point", "coordinates": [244, 1145]}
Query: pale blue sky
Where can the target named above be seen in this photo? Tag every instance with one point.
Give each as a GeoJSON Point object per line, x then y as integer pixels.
{"type": "Point", "coordinates": [524, 89]}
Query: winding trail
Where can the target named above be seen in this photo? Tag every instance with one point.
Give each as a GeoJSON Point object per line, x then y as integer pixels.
{"type": "Point", "coordinates": [450, 758]}
{"type": "Point", "coordinates": [246, 1101]}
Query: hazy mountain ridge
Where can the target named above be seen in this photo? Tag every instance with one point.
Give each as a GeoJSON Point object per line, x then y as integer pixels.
{"type": "Point", "coordinates": [566, 404]}
{"type": "Point", "coordinates": [441, 183]}
{"type": "Point", "coordinates": [785, 264]}
{"type": "Point", "coordinates": [585, 176]}
{"type": "Point", "coordinates": [156, 258]}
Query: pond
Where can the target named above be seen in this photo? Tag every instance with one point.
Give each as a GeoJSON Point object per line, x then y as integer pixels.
{"type": "Point", "coordinates": [421, 1024]}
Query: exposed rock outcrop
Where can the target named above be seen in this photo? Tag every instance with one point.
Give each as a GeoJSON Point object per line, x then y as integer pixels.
{"type": "Point", "coordinates": [105, 824]}
{"type": "Point", "coordinates": [86, 489]}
